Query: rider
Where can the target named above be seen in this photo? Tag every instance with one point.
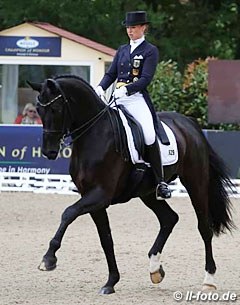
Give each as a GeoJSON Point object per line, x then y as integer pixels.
{"type": "Point", "coordinates": [133, 67]}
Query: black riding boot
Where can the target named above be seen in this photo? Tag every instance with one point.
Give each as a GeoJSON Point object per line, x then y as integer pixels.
{"type": "Point", "coordinates": [154, 158]}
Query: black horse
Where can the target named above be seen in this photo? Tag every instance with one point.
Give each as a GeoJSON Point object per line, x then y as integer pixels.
{"type": "Point", "coordinates": [69, 107]}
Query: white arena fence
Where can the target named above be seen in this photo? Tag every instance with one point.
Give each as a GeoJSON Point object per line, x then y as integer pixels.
{"type": "Point", "coordinates": [62, 184]}
{"type": "Point", "coordinates": [37, 183]}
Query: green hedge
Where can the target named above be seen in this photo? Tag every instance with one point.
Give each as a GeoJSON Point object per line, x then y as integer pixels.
{"type": "Point", "coordinates": [184, 92]}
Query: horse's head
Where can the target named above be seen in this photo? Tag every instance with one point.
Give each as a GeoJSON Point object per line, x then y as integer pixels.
{"type": "Point", "coordinates": [67, 105]}
{"type": "Point", "coordinates": [53, 110]}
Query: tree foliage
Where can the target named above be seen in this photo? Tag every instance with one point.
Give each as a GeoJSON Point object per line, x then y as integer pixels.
{"type": "Point", "coordinates": [185, 92]}
{"type": "Point", "coordinates": [183, 30]}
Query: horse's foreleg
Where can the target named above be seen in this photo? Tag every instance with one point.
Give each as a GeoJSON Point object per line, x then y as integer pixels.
{"type": "Point", "coordinates": [100, 218]}
{"type": "Point", "coordinates": [94, 200]}
{"type": "Point", "coordinates": [167, 219]}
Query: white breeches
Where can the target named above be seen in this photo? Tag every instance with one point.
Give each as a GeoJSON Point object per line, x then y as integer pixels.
{"type": "Point", "coordinates": [138, 108]}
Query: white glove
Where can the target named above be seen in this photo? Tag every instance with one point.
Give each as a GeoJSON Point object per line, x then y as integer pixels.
{"type": "Point", "coordinates": [120, 92]}
{"type": "Point", "coordinates": [100, 92]}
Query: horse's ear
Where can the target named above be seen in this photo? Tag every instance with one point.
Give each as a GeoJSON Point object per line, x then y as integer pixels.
{"type": "Point", "coordinates": [35, 86]}
{"type": "Point", "coordinates": [51, 84]}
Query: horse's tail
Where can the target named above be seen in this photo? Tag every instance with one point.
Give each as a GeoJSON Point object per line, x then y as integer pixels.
{"type": "Point", "coordinates": [219, 201]}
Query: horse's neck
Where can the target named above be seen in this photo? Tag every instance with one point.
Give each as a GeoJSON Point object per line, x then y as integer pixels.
{"type": "Point", "coordinates": [85, 99]}
{"type": "Point", "coordinates": [85, 103]}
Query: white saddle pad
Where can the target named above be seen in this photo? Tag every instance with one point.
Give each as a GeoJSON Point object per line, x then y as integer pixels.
{"type": "Point", "coordinates": [169, 153]}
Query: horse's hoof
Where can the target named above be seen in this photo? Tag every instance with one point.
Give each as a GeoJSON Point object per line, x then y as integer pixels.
{"type": "Point", "coordinates": [157, 276]}
{"type": "Point", "coordinates": [48, 265]}
{"type": "Point", "coordinates": [208, 287]}
{"type": "Point", "coordinates": [106, 290]}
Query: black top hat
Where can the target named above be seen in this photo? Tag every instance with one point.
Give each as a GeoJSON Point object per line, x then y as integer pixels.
{"type": "Point", "coordinates": [135, 18]}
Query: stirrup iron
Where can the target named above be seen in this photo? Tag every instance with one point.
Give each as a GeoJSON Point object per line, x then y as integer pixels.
{"type": "Point", "coordinates": [162, 191]}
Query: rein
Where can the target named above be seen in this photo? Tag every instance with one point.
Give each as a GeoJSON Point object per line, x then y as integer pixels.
{"type": "Point", "coordinates": [84, 127]}
{"type": "Point", "coordinates": [92, 122]}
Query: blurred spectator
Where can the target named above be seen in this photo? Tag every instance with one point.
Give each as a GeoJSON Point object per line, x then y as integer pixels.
{"type": "Point", "coordinates": [28, 116]}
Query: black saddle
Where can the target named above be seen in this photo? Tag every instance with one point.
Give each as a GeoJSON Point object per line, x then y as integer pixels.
{"type": "Point", "coordinates": [137, 132]}
{"type": "Point", "coordinates": [139, 169]}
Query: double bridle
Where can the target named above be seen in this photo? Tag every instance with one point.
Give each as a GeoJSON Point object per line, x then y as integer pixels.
{"type": "Point", "coordinates": [79, 131]}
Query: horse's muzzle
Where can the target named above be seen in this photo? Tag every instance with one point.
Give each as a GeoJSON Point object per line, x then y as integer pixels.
{"type": "Point", "coordinates": [50, 155]}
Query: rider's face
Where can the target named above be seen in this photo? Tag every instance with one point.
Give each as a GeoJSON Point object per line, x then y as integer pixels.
{"type": "Point", "coordinates": [135, 32]}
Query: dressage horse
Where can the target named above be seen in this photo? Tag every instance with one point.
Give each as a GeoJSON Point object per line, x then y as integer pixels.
{"type": "Point", "coordinates": [70, 109]}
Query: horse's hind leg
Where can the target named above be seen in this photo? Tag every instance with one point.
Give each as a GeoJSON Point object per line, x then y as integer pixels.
{"type": "Point", "coordinates": [198, 192]}
{"type": "Point", "coordinates": [100, 218]}
{"type": "Point", "coordinates": [167, 219]}
{"type": "Point", "coordinates": [210, 266]}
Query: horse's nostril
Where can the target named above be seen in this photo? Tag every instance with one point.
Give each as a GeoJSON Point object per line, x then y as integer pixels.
{"type": "Point", "coordinates": [44, 155]}
{"type": "Point", "coordinates": [50, 155]}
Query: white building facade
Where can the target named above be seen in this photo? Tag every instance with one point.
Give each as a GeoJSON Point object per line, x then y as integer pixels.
{"type": "Point", "coordinates": [35, 51]}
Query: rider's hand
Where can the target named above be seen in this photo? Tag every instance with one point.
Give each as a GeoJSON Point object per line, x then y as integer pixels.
{"type": "Point", "coordinates": [120, 92]}
{"type": "Point", "coordinates": [100, 92]}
